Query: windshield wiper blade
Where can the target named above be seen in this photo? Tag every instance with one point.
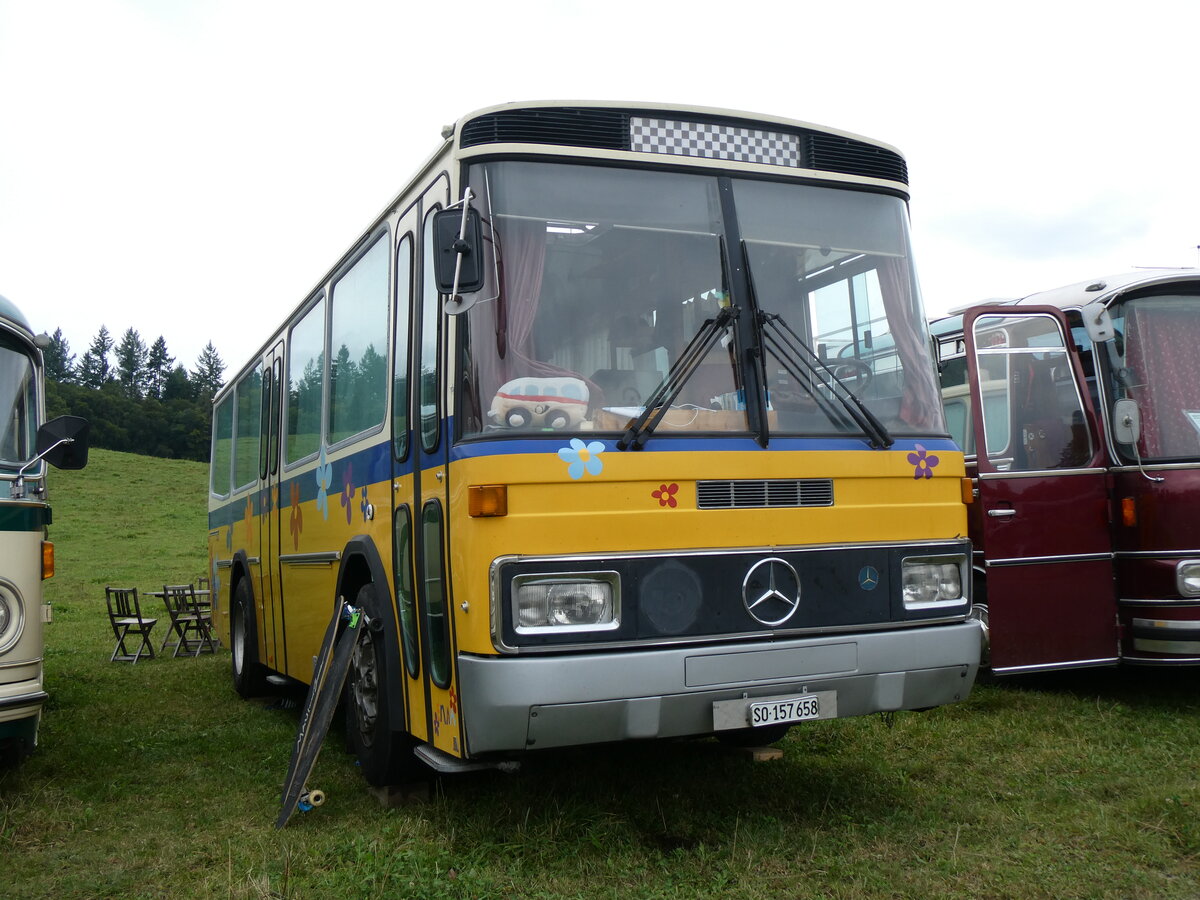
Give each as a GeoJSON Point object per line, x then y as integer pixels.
{"type": "Point", "coordinates": [639, 430]}
{"type": "Point", "coordinates": [789, 346]}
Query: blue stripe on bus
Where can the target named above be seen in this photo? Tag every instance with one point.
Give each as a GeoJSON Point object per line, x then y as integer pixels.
{"type": "Point", "coordinates": [676, 444]}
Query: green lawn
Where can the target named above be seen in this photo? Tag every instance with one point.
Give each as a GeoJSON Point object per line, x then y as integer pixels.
{"type": "Point", "coordinates": [155, 780]}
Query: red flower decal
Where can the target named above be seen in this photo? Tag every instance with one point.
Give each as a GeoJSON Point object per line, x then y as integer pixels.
{"type": "Point", "coordinates": [665, 495]}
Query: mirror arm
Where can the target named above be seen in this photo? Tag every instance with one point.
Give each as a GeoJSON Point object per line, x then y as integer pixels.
{"type": "Point", "coordinates": [1156, 479]}
{"type": "Point", "coordinates": [460, 246]}
{"type": "Point", "coordinates": [18, 485]}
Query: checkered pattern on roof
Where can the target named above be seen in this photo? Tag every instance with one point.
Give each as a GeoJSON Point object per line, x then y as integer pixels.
{"type": "Point", "coordinates": [750, 145]}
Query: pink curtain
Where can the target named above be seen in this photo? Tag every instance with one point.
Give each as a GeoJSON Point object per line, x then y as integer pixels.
{"type": "Point", "coordinates": [918, 406]}
{"type": "Point", "coordinates": [1160, 350]}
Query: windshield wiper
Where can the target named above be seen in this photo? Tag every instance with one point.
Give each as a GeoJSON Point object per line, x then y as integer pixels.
{"type": "Point", "coordinates": [789, 348]}
{"type": "Point", "coordinates": [639, 430]}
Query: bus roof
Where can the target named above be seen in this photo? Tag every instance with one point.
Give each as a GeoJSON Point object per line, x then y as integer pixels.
{"type": "Point", "coordinates": [1106, 290]}
{"type": "Point", "coordinates": [9, 311]}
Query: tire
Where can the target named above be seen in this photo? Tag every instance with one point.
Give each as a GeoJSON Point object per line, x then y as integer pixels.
{"type": "Point", "coordinates": [249, 675]}
{"type": "Point", "coordinates": [383, 748]}
{"type": "Point", "coordinates": [753, 737]}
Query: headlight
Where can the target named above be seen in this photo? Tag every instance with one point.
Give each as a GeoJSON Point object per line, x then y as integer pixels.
{"type": "Point", "coordinates": [557, 604]}
{"type": "Point", "coordinates": [1187, 577]}
{"type": "Point", "coordinates": [12, 618]}
{"type": "Point", "coordinates": [933, 581]}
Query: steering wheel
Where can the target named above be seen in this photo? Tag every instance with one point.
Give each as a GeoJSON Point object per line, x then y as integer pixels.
{"type": "Point", "coordinates": [853, 373]}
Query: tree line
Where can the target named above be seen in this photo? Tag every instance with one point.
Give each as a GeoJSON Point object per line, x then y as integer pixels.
{"type": "Point", "coordinates": [138, 398]}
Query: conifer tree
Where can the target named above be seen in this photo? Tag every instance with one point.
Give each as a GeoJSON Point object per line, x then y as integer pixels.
{"type": "Point", "coordinates": [159, 365]}
{"type": "Point", "coordinates": [206, 377]}
{"type": "Point", "coordinates": [60, 361]}
{"type": "Point", "coordinates": [94, 369]}
{"type": "Point", "coordinates": [131, 364]}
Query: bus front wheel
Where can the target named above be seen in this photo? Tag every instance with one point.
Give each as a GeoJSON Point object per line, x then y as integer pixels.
{"type": "Point", "coordinates": [383, 749]}
{"type": "Point", "coordinates": [249, 676]}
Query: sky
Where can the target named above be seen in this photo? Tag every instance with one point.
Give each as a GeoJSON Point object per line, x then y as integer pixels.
{"type": "Point", "coordinates": [191, 169]}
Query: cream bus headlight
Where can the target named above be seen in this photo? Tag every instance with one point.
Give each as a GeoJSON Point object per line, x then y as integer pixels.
{"type": "Point", "coordinates": [12, 618]}
{"type": "Point", "coordinates": [1187, 577]}
{"type": "Point", "coordinates": [933, 581]}
{"type": "Point", "coordinates": [556, 604]}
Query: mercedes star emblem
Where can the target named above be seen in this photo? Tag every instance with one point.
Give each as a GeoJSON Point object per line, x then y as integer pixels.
{"type": "Point", "coordinates": [771, 591]}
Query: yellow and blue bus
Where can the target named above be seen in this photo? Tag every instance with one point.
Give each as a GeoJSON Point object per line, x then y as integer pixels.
{"type": "Point", "coordinates": [27, 444]}
{"type": "Point", "coordinates": [619, 422]}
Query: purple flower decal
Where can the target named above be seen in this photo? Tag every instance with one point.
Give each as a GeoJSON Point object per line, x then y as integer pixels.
{"type": "Point", "coordinates": [924, 462]}
{"type": "Point", "coordinates": [348, 491]}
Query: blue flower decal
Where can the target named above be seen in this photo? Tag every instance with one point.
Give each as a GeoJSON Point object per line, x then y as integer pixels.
{"type": "Point", "coordinates": [581, 457]}
{"type": "Point", "coordinates": [324, 480]}
{"type": "Point", "coordinates": [924, 461]}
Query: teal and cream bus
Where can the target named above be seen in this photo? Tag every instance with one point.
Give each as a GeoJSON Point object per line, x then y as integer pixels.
{"type": "Point", "coordinates": [27, 444]}
{"type": "Point", "coordinates": [618, 422]}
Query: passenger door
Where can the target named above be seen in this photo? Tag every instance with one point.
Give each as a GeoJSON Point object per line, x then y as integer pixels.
{"type": "Point", "coordinates": [404, 479]}
{"type": "Point", "coordinates": [430, 511]}
{"type": "Point", "coordinates": [1043, 493]}
{"type": "Point", "coordinates": [267, 592]}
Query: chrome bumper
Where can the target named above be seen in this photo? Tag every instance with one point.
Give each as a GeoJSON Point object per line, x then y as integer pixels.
{"type": "Point", "coordinates": [521, 703]}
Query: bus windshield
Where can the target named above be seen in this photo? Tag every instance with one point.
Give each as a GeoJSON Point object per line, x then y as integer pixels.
{"type": "Point", "coordinates": [1152, 362]}
{"type": "Point", "coordinates": [18, 403]}
{"type": "Point", "coordinates": [603, 276]}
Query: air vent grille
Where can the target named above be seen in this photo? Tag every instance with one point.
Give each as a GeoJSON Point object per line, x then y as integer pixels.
{"type": "Point", "coordinates": [605, 129]}
{"type": "Point", "coordinates": [774, 494]}
{"type": "Point", "coordinates": [833, 153]}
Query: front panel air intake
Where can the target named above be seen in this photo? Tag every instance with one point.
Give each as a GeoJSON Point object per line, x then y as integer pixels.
{"type": "Point", "coordinates": [764, 494]}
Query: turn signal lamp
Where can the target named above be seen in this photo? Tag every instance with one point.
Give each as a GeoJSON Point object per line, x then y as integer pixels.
{"type": "Point", "coordinates": [968, 490]}
{"type": "Point", "coordinates": [484, 500]}
{"type": "Point", "coordinates": [1128, 512]}
{"type": "Point", "coordinates": [47, 560]}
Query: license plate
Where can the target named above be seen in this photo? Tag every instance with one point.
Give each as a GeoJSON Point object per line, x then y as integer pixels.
{"type": "Point", "coordinates": [729, 714]}
{"type": "Point", "coordinates": [790, 709]}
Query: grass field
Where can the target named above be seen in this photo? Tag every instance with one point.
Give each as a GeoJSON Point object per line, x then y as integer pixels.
{"type": "Point", "coordinates": [155, 780]}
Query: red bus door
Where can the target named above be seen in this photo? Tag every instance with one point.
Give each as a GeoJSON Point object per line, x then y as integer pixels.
{"type": "Point", "coordinates": [1043, 492]}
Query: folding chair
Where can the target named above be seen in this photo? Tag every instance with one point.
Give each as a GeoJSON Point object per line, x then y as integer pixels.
{"type": "Point", "coordinates": [125, 616]}
{"type": "Point", "coordinates": [191, 625]}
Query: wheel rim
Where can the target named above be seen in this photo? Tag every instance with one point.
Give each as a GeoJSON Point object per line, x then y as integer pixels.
{"type": "Point", "coordinates": [239, 637]}
{"type": "Point", "coordinates": [364, 686]}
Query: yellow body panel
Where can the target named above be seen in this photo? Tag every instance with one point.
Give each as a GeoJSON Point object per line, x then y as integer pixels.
{"type": "Point", "coordinates": [627, 508]}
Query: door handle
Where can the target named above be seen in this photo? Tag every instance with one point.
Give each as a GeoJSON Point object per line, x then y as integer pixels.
{"type": "Point", "coordinates": [1001, 513]}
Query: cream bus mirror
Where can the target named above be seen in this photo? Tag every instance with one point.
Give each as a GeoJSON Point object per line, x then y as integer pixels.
{"type": "Point", "coordinates": [63, 442]}
{"type": "Point", "coordinates": [1127, 422]}
{"type": "Point", "coordinates": [458, 255]}
{"type": "Point", "coordinates": [1098, 323]}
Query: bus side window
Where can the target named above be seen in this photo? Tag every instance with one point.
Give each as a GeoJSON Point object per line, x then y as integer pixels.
{"type": "Point", "coordinates": [248, 425]}
{"type": "Point", "coordinates": [306, 379]}
{"type": "Point", "coordinates": [358, 328]}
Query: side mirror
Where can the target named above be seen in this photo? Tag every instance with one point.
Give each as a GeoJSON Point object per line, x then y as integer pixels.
{"type": "Point", "coordinates": [457, 251]}
{"type": "Point", "coordinates": [63, 442]}
{"type": "Point", "coordinates": [1098, 323]}
{"type": "Point", "coordinates": [1127, 422]}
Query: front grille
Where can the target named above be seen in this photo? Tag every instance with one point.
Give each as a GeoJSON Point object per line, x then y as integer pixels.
{"type": "Point", "coordinates": [763, 494]}
{"type": "Point", "coordinates": [611, 129]}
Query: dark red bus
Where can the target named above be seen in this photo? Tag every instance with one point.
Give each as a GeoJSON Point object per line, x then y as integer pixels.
{"type": "Point", "coordinates": [1079, 411]}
